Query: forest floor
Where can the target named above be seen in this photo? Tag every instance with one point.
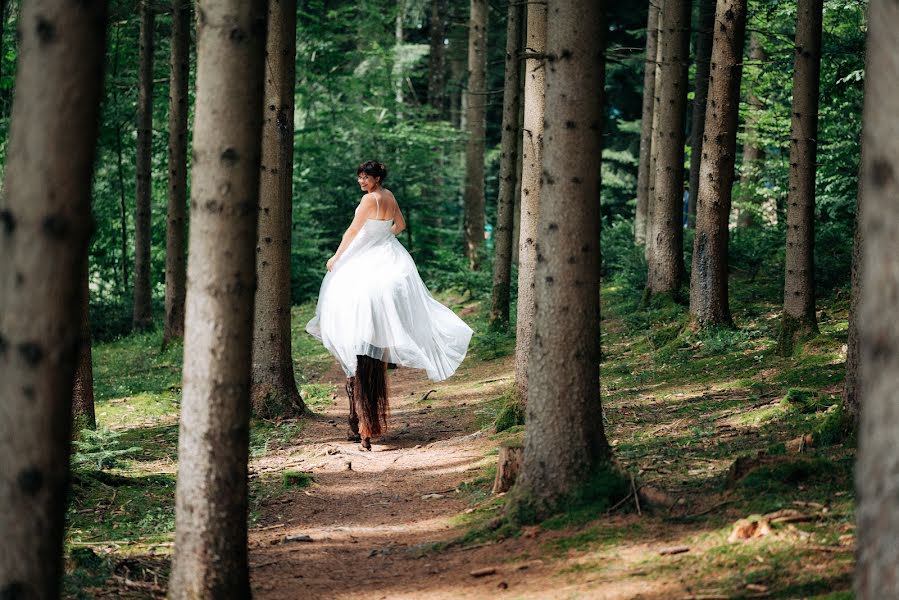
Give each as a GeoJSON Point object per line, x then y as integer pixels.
{"type": "Point", "coordinates": [745, 494]}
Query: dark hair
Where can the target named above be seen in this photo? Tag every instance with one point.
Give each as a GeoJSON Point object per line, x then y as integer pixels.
{"type": "Point", "coordinates": [373, 168]}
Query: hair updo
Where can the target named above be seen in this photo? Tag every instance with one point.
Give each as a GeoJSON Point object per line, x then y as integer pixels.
{"type": "Point", "coordinates": [373, 168]}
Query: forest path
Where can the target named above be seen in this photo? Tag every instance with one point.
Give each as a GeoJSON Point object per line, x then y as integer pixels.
{"type": "Point", "coordinates": [373, 527]}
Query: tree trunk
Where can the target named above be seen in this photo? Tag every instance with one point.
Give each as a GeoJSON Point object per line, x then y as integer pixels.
{"type": "Point", "coordinates": [753, 155]}
{"type": "Point", "coordinates": [649, 81]}
{"type": "Point", "coordinates": [437, 60]}
{"type": "Point", "coordinates": [708, 283]}
{"type": "Point", "coordinates": [45, 225]}
{"type": "Point", "coordinates": [877, 470]}
{"type": "Point", "coordinates": [703, 65]}
{"type": "Point", "coordinates": [649, 249]}
{"type": "Point", "coordinates": [175, 232]}
{"type": "Point", "coordinates": [532, 148]}
{"type": "Point", "coordinates": [851, 385]}
{"type": "Point", "coordinates": [143, 317]}
{"type": "Point", "coordinates": [120, 167]}
{"type": "Point", "coordinates": [397, 53]}
{"type": "Point", "coordinates": [508, 467]}
{"type": "Point", "coordinates": [666, 260]}
{"type": "Point", "coordinates": [83, 414]}
{"type": "Point", "coordinates": [519, 147]}
{"type": "Point", "coordinates": [565, 443]}
{"type": "Point", "coordinates": [505, 210]}
{"type": "Point", "coordinates": [799, 281]}
{"type": "Point", "coordinates": [274, 391]}
{"type": "Point", "coordinates": [211, 501]}
{"type": "Point", "coordinates": [475, 124]}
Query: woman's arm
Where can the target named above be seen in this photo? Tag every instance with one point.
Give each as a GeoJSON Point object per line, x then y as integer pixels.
{"type": "Point", "coordinates": [364, 212]}
{"type": "Point", "coordinates": [399, 223]}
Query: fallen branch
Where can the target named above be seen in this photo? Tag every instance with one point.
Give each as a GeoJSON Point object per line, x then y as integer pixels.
{"type": "Point", "coordinates": [636, 496]}
{"type": "Point", "coordinates": [425, 397]}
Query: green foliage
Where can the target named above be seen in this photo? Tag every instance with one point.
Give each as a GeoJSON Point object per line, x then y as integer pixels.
{"type": "Point", "coordinates": [623, 261]}
{"type": "Point", "coordinates": [100, 449]}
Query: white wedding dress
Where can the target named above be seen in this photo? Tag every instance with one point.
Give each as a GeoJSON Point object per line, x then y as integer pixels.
{"type": "Point", "coordinates": [373, 302]}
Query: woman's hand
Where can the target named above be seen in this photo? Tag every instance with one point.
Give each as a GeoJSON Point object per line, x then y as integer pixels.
{"type": "Point", "coordinates": [331, 262]}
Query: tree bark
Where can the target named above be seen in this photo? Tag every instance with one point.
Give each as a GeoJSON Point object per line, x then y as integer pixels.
{"type": "Point", "coordinates": [143, 317]}
{"type": "Point", "coordinates": [799, 279]}
{"type": "Point", "coordinates": [120, 167]}
{"type": "Point", "coordinates": [45, 225]}
{"type": "Point", "coordinates": [565, 443]}
{"type": "Point", "coordinates": [505, 209]}
{"type": "Point", "coordinates": [211, 500]}
{"type": "Point", "coordinates": [508, 467]}
{"type": "Point", "coordinates": [475, 125]}
{"type": "Point", "coordinates": [274, 392]}
{"type": "Point", "coordinates": [437, 60]}
{"type": "Point", "coordinates": [708, 284]}
{"type": "Point", "coordinates": [83, 414]}
{"type": "Point", "coordinates": [851, 384]}
{"type": "Point", "coordinates": [877, 470]}
{"type": "Point", "coordinates": [649, 81]}
{"type": "Point", "coordinates": [531, 157]}
{"type": "Point", "coordinates": [649, 248]}
{"type": "Point", "coordinates": [703, 65]}
{"type": "Point", "coordinates": [753, 154]}
{"type": "Point", "coordinates": [666, 259]}
{"type": "Point", "coordinates": [175, 232]}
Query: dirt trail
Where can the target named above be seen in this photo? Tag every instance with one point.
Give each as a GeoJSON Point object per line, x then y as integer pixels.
{"type": "Point", "coordinates": [372, 526]}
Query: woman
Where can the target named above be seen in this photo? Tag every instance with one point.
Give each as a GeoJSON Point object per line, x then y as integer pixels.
{"type": "Point", "coordinates": [373, 308]}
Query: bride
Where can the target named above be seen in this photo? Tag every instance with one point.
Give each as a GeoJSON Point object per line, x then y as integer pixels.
{"type": "Point", "coordinates": [373, 309]}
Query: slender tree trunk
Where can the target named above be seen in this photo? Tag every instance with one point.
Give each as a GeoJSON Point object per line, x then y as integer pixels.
{"type": "Point", "coordinates": [211, 500]}
{"type": "Point", "coordinates": [531, 157]}
{"type": "Point", "coordinates": [475, 125]}
{"type": "Point", "coordinates": [83, 414]}
{"type": "Point", "coordinates": [274, 392]}
{"type": "Point", "coordinates": [397, 53]}
{"type": "Point", "coordinates": [708, 283]}
{"type": "Point", "coordinates": [123, 210]}
{"type": "Point", "coordinates": [649, 81]}
{"type": "Point", "coordinates": [437, 60]}
{"type": "Point", "coordinates": [565, 443]}
{"type": "Point", "coordinates": [143, 317]}
{"type": "Point", "coordinates": [45, 225]}
{"type": "Point", "coordinates": [877, 470]}
{"type": "Point", "coordinates": [851, 385]}
{"type": "Point", "coordinates": [649, 249]}
{"type": "Point", "coordinates": [703, 65]}
{"type": "Point", "coordinates": [799, 281]}
{"type": "Point", "coordinates": [502, 260]}
{"type": "Point", "coordinates": [175, 232]}
{"type": "Point", "coordinates": [753, 155]}
{"type": "Point", "coordinates": [666, 260]}
{"type": "Point", "coordinates": [519, 143]}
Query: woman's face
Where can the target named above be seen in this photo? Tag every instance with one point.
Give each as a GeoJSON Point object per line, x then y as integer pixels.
{"type": "Point", "coordinates": [367, 182]}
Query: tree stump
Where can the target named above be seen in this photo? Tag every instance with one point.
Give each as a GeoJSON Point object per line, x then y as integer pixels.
{"type": "Point", "coordinates": [507, 468]}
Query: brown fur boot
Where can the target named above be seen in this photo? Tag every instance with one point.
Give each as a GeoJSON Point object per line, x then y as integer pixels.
{"type": "Point", "coordinates": [352, 432]}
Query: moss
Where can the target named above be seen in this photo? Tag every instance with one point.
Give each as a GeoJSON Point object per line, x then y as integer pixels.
{"type": "Point", "coordinates": [606, 486]}
{"type": "Point", "coordinates": [511, 412]}
{"type": "Point", "coordinates": [836, 428]}
{"type": "Point", "coordinates": [297, 479]}
{"type": "Point", "coordinates": [793, 331]}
